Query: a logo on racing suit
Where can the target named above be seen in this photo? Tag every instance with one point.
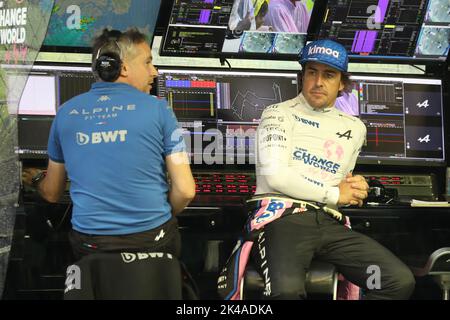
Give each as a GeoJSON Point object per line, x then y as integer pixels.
{"type": "Point", "coordinates": [270, 211]}
{"type": "Point", "coordinates": [315, 161]}
{"type": "Point", "coordinates": [333, 150]}
{"type": "Point", "coordinates": [347, 134]}
{"type": "Point", "coordinates": [306, 121]}
{"type": "Point", "coordinates": [274, 137]}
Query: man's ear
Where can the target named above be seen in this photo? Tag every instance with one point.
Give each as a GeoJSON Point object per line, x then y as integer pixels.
{"type": "Point", "coordinates": [124, 69]}
{"type": "Point", "coordinates": [341, 85]}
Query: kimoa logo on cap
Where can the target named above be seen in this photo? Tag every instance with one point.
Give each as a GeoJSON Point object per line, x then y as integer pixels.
{"type": "Point", "coordinates": [323, 50]}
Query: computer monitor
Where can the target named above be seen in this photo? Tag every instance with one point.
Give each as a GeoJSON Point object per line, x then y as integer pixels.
{"type": "Point", "coordinates": [47, 87]}
{"type": "Point", "coordinates": [38, 96]}
{"type": "Point", "coordinates": [260, 29]}
{"type": "Point", "coordinates": [73, 24]}
{"type": "Point", "coordinates": [403, 116]}
{"type": "Point", "coordinates": [385, 29]}
{"type": "Point", "coordinates": [434, 37]}
{"type": "Point", "coordinates": [33, 136]}
{"type": "Point", "coordinates": [220, 109]}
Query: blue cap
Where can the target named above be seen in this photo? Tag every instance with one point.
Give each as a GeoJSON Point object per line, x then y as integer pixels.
{"type": "Point", "coordinates": [327, 52]}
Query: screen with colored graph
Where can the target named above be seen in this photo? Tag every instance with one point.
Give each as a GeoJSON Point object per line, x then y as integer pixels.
{"type": "Point", "coordinates": [388, 29]}
{"type": "Point", "coordinates": [224, 106]}
{"type": "Point", "coordinates": [261, 29]}
{"type": "Point", "coordinates": [403, 117]}
{"type": "Point", "coordinates": [74, 23]}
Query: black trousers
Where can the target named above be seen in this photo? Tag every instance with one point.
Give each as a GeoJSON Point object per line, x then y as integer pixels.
{"type": "Point", "coordinates": [284, 249]}
{"type": "Point", "coordinates": [165, 238]}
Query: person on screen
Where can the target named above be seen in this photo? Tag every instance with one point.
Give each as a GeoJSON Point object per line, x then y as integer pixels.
{"type": "Point", "coordinates": [115, 143]}
{"type": "Point", "coordinates": [287, 16]}
{"type": "Point", "coordinates": [306, 152]}
{"type": "Point", "coordinates": [248, 15]}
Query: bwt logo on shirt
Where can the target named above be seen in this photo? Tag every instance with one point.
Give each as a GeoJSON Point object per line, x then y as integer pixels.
{"type": "Point", "coordinates": [101, 137]}
{"type": "Point", "coordinates": [306, 121]}
{"type": "Point", "coordinates": [323, 50]}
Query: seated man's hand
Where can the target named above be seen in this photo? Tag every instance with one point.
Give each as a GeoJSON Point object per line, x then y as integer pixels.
{"type": "Point", "coordinates": [358, 182]}
{"type": "Point", "coordinates": [353, 190]}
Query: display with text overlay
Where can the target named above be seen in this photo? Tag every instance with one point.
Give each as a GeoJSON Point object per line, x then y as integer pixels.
{"type": "Point", "coordinates": [403, 117]}
{"type": "Point", "coordinates": [220, 110]}
{"type": "Point", "coordinates": [386, 29]}
{"type": "Point", "coordinates": [260, 29]}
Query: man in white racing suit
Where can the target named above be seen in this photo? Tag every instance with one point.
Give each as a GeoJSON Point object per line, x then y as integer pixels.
{"type": "Point", "coordinates": [306, 153]}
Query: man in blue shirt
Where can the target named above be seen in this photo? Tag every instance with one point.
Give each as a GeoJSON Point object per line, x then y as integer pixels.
{"type": "Point", "coordinates": [116, 143]}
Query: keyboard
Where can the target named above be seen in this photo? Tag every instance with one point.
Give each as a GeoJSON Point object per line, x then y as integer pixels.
{"type": "Point", "coordinates": [225, 183]}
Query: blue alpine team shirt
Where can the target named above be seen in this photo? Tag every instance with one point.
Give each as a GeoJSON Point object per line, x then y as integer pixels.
{"type": "Point", "coordinates": [113, 141]}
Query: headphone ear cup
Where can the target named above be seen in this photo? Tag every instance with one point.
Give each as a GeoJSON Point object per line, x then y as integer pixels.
{"type": "Point", "coordinates": [377, 191]}
{"type": "Point", "coordinates": [108, 66]}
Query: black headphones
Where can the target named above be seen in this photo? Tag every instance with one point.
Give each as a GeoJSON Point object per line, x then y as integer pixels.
{"type": "Point", "coordinates": [379, 193]}
{"type": "Point", "coordinates": [108, 64]}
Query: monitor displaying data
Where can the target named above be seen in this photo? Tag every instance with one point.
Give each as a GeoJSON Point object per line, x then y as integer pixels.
{"type": "Point", "coordinates": [33, 136]}
{"type": "Point", "coordinates": [403, 117]}
{"type": "Point", "coordinates": [220, 110]}
{"type": "Point", "coordinates": [387, 29]}
{"type": "Point", "coordinates": [74, 23]}
{"type": "Point", "coordinates": [48, 86]}
{"type": "Point", "coordinates": [434, 37]}
{"type": "Point", "coordinates": [264, 29]}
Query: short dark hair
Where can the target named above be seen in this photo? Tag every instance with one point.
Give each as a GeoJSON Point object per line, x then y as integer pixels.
{"type": "Point", "coordinates": [345, 78]}
{"type": "Point", "coordinates": [115, 41]}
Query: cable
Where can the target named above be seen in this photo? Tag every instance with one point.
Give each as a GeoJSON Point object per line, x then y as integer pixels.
{"type": "Point", "coordinates": [63, 217]}
{"type": "Point", "coordinates": [223, 61]}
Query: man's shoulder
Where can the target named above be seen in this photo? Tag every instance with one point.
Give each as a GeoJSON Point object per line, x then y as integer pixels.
{"type": "Point", "coordinates": [352, 119]}
{"type": "Point", "coordinates": [148, 98]}
{"type": "Point", "coordinates": [74, 103]}
{"type": "Point", "coordinates": [281, 107]}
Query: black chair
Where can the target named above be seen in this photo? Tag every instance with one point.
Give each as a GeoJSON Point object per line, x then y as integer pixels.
{"type": "Point", "coordinates": [438, 267]}
{"type": "Point", "coordinates": [122, 275]}
{"type": "Point", "coordinates": [321, 282]}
